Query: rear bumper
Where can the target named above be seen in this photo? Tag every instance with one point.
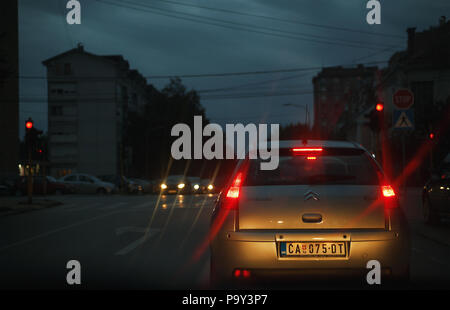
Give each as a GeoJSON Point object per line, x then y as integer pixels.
{"type": "Point", "coordinates": [258, 252]}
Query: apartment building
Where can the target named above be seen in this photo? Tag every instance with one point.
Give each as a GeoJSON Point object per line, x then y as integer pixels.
{"type": "Point", "coordinates": [340, 95]}
{"type": "Point", "coordinates": [89, 97]}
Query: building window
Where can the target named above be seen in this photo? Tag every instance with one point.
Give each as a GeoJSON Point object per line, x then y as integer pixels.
{"type": "Point", "coordinates": [67, 69]}
{"type": "Point", "coordinates": [63, 88]}
{"type": "Point", "coordinates": [56, 110]}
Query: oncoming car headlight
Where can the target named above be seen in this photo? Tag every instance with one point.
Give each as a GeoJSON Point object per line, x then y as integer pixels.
{"type": "Point", "coordinates": [163, 186]}
{"type": "Point", "coordinates": [181, 185]}
{"type": "Point", "coordinates": [196, 186]}
{"type": "Point", "coordinates": [210, 187]}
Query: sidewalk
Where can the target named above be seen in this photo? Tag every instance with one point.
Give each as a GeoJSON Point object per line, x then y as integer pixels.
{"type": "Point", "coordinates": [15, 205]}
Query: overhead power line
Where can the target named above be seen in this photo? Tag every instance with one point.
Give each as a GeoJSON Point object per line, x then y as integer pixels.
{"type": "Point", "coordinates": [201, 75]}
{"type": "Point", "coordinates": [339, 40]}
{"type": "Point", "coordinates": [237, 26]}
{"type": "Point", "coordinates": [211, 90]}
{"type": "Point", "coordinates": [291, 21]}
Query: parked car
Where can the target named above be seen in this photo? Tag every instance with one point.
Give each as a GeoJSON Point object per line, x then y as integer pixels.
{"type": "Point", "coordinates": [4, 190]}
{"type": "Point", "coordinates": [87, 184]}
{"type": "Point", "coordinates": [121, 184]}
{"type": "Point", "coordinates": [53, 186]}
{"type": "Point", "coordinates": [175, 184]}
{"type": "Point", "coordinates": [436, 194]}
{"type": "Point", "coordinates": [9, 186]}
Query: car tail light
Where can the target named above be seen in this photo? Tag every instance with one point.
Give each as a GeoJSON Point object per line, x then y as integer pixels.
{"type": "Point", "coordinates": [246, 273]}
{"type": "Point", "coordinates": [232, 196]}
{"type": "Point", "coordinates": [388, 191]}
{"type": "Point", "coordinates": [390, 200]}
{"type": "Point", "coordinates": [303, 150]}
{"type": "Point", "coordinates": [233, 191]}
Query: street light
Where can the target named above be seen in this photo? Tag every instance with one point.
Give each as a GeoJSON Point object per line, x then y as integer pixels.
{"type": "Point", "coordinates": [303, 106]}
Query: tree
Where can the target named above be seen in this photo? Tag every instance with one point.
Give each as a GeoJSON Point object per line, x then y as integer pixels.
{"type": "Point", "coordinates": [149, 131]}
{"type": "Point", "coordinates": [295, 132]}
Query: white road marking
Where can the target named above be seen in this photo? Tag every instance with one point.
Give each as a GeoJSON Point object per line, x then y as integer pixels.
{"type": "Point", "coordinates": [133, 245]}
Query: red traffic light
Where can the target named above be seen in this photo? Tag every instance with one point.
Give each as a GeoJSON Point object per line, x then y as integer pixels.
{"type": "Point", "coordinates": [431, 136]}
{"type": "Point", "coordinates": [379, 107]}
{"type": "Point", "coordinates": [29, 123]}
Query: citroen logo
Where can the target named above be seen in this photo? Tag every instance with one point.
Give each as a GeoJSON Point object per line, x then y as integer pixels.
{"type": "Point", "coordinates": [311, 195]}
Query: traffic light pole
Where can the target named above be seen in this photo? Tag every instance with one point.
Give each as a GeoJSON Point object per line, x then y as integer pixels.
{"type": "Point", "coordinates": [29, 177]}
{"type": "Point", "coordinates": [404, 160]}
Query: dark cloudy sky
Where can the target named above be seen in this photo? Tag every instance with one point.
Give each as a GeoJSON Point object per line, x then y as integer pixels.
{"type": "Point", "coordinates": [161, 37]}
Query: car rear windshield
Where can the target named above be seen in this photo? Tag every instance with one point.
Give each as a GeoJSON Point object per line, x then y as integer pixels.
{"type": "Point", "coordinates": [332, 166]}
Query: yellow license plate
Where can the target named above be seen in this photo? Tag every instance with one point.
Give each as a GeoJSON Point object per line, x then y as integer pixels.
{"type": "Point", "coordinates": [172, 191]}
{"type": "Point", "coordinates": [312, 249]}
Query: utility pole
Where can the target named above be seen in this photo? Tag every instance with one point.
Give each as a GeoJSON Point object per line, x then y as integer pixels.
{"type": "Point", "coordinates": [28, 142]}
{"type": "Point", "coordinates": [31, 137]}
{"type": "Point", "coordinates": [303, 106]}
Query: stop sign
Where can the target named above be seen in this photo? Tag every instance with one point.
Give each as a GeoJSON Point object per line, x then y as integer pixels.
{"type": "Point", "coordinates": [403, 99]}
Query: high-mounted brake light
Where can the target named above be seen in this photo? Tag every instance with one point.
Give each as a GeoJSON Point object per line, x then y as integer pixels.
{"type": "Point", "coordinates": [388, 191]}
{"type": "Point", "coordinates": [233, 192]}
{"type": "Point", "coordinates": [307, 149]}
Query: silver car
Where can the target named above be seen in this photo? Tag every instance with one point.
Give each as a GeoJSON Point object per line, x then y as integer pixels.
{"type": "Point", "coordinates": [87, 184]}
{"type": "Point", "coordinates": [325, 212]}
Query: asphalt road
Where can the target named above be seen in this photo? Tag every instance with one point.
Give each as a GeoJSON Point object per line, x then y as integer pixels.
{"type": "Point", "coordinates": [125, 242]}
